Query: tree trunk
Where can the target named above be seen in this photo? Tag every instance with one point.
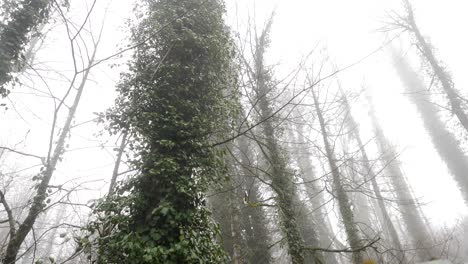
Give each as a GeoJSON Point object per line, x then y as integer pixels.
{"type": "Point", "coordinates": [444, 77]}
{"type": "Point", "coordinates": [412, 219]}
{"type": "Point", "coordinates": [237, 256]}
{"type": "Point", "coordinates": [309, 235]}
{"type": "Point", "coordinates": [39, 199]}
{"type": "Point", "coordinates": [315, 195]}
{"type": "Point", "coordinates": [372, 177]}
{"type": "Point", "coordinates": [115, 172]}
{"type": "Point", "coordinates": [59, 219]}
{"type": "Point", "coordinates": [444, 142]}
{"type": "Point", "coordinates": [281, 179]}
{"type": "Point", "coordinates": [344, 205]}
{"type": "Point", "coordinates": [254, 218]}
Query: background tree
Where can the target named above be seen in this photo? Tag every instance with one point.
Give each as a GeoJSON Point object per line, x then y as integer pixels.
{"type": "Point", "coordinates": [344, 203]}
{"type": "Point", "coordinates": [413, 221]}
{"type": "Point", "coordinates": [41, 200]}
{"type": "Point", "coordinates": [280, 176]}
{"type": "Point", "coordinates": [407, 22]}
{"type": "Point", "coordinates": [444, 141]}
{"type": "Point", "coordinates": [371, 176]}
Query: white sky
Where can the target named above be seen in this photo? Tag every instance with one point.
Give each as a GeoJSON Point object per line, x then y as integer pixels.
{"type": "Point", "coordinates": [346, 28]}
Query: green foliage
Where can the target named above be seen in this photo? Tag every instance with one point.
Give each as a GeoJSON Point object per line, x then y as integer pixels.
{"type": "Point", "coordinates": [21, 18]}
{"type": "Point", "coordinates": [174, 103]}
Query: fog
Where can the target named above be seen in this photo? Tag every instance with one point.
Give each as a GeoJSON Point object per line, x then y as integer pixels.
{"type": "Point", "coordinates": [197, 131]}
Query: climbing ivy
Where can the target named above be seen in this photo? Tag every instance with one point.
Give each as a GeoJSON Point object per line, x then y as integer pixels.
{"type": "Point", "coordinates": [21, 19]}
{"type": "Point", "coordinates": [174, 102]}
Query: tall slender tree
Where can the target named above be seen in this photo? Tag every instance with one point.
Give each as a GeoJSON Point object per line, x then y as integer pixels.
{"type": "Point", "coordinates": [456, 102]}
{"type": "Point", "coordinates": [172, 103]}
{"type": "Point", "coordinates": [282, 179]}
{"type": "Point", "coordinates": [344, 203]}
{"type": "Point", "coordinates": [226, 205]}
{"type": "Point", "coordinates": [444, 141]}
{"type": "Point", "coordinates": [255, 222]}
{"type": "Point", "coordinates": [371, 176]}
{"type": "Point", "coordinates": [314, 192]}
{"type": "Point", "coordinates": [54, 156]}
{"type": "Point", "coordinates": [412, 219]}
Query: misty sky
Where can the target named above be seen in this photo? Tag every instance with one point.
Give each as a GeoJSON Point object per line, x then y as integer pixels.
{"type": "Point", "coordinates": [346, 31]}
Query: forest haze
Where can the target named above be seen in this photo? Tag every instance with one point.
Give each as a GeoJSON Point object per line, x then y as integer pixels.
{"type": "Point", "coordinates": [236, 131]}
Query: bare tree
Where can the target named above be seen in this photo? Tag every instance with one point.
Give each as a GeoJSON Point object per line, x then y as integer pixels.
{"type": "Point", "coordinates": [282, 181]}
{"type": "Point", "coordinates": [371, 176]}
{"type": "Point", "coordinates": [56, 151]}
{"type": "Point", "coordinates": [314, 191]}
{"type": "Point", "coordinates": [444, 141]}
{"type": "Point", "coordinates": [344, 203]}
{"type": "Point", "coordinates": [254, 216]}
{"type": "Point", "coordinates": [410, 213]}
{"type": "Point", "coordinates": [407, 22]}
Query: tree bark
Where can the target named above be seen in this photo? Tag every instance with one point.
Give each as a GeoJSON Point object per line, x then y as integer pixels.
{"type": "Point", "coordinates": [314, 194]}
{"type": "Point", "coordinates": [39, 199]}
{"type": "Point", "coordinates": [281, 179]}
{"type": "Point", "coordinates": [444, 141]}
{"type": "Point", "coordinates": [411, 217]}
{"type": "Point", "coordinates": [344, 204]}
{"type": "Point", "coordinates": [115, 172]}
{"type": "Point", "coordinates": [444, 77]}
{"type": "Point", "coordinates": [372, 177]}
{"type": "Point", "coordinates": [254, 218]}
{"type": "Point", "coordinates": [14, 36]}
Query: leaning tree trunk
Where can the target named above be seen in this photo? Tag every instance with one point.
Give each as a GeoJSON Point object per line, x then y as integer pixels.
{"type": "Point", "coordinates": [444, 77]}
{"type": "Point", "coordinates": [306, 225]}
{"type": "Point", "coordinates": [314, 194]}
{"type": "Point", "coordinates": [444, 142]}
{"type": "Point", "coordinates": [59, 219]}
{"type": "Point", "coordinates": [283, 185]}
{"type": "Point", "coordinates": [344, 203]}
{"type": "Point", "coordinates": [226, 212]}
{"type": "Point", "coordinates": [234, 204]}
{"type": "Point", "coordinates": [372, 177]}
{"type": "Point", "coordinates": [362, 208]}
{"type": "Point", "coordinates": [237, 255]}
{"type": "Point", "coordinates": [115, 171]}
{"type": "Point", "coordinates": [254, 217]}
{"type": "Point", "coordinates": [412, 219]}
{"type": "Point", "coordinates": [39, 199]}
{"type": "Point", "coordinates": [281, 178]}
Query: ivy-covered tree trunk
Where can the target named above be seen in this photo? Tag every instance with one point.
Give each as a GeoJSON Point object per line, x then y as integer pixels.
{"type": "Point", "coordinates": [314, 193]}
{"type": "Point", "coordinates": [14, 35]}
{"type": "Point", "coordinates": [354, 176]}
{"type": "Point", "coordinates": [172, 103]}
{"type": "Point", "coordinates": [307, 228]}
{"type": "Point", "coordinates": [426, 50]}
{"type": "Point", "coordinates": [281, 178]}
{"type": "Point", "coordinates": [344, 204]}
{"type": "Point", "coordinates": [39, 200]}
{"type": "Point", "coordinates": [225, 205]}
{"type": "Point", "coordinates": [254, 220]}
{"type": "Point", "coordinates": [412, 219]}
{"type": "Point", "coordinates": [237, 255]}
{"type": "Point", "coordinates": [444, 141]}
{"type": "Point", "coordinates": [118, 160]}
{"type": "Point", "coordinates": [372, 177]}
